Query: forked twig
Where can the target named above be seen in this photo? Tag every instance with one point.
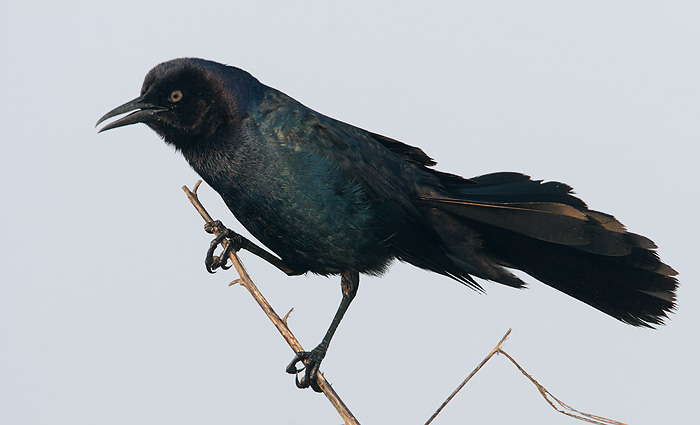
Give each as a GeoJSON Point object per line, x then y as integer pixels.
{"type": "Point", "coordinates": [553, 401]}
{"type": "Point", "coordinates": [483, 362]}
{"type": "Point", "coordinates": [280, 324]}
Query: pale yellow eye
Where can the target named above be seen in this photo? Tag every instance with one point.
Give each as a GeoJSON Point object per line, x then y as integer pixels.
{"type": "Point", "coordinates": [175, 96]}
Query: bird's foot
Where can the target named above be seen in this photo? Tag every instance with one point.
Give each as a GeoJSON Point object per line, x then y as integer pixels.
{"type": "Point", "coordinates": [312, 362]}
{"type": "Point", "coordinates": [230, 240]}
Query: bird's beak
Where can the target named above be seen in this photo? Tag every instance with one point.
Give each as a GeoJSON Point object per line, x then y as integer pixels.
{"type": "Point", "coordinates": [145, 112]}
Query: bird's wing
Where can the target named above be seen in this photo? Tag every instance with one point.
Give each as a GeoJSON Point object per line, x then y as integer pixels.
{"type": "Point", "coordinates": [387, 180]}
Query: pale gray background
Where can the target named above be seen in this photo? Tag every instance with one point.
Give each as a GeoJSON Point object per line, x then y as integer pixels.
{"type": "Point", "coordinates": [107, 315]}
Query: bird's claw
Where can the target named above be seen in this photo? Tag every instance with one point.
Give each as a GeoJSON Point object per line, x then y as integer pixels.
{"type": "Point", "coordinates": [230, 240]}
{"type": "Point", "coordinates": [312, 363]}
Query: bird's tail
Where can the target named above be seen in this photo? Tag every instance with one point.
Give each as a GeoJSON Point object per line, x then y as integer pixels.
{"type": "Point", "coordinates": [508, 220]}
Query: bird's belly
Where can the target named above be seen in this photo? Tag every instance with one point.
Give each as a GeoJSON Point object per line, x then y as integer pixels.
{"type": "Point", "coordinates": [319, 229]}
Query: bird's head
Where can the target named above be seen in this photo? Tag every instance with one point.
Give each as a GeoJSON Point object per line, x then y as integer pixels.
{"type": "Point", "coordinates": [186, 100]}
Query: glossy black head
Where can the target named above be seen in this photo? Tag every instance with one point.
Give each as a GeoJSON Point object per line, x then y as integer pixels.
{"type": "Point", "coordinates": [188, 100]}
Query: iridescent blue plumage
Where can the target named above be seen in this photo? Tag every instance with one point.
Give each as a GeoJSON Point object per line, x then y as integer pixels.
{"type": "Point", "coordinates": [331, 198]}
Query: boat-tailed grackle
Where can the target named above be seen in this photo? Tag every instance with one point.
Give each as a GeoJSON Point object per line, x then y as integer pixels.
{"type": "Point", "coordinates": [333, 199]}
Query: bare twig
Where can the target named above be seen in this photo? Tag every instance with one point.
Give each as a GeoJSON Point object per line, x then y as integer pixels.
{"type": "Point", "coordinates": [553, 401]}
{"type": "Point", "coordinates": [483, 362]}
{"type": "Point", "coordinates": [563, 407]}
{"type": "Point", "coordinates": [286, 316]}
{"type": "Point", "coordinates": [280, 324]}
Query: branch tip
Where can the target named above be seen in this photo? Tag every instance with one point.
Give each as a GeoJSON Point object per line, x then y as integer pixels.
{"type": "Point", "coordinates": [286, 316]}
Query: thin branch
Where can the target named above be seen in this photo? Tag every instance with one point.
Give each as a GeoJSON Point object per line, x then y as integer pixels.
{"type": "Point", "coordinates": [553, 401]}
{"type": "Point", "coordinates": [483, 362]}
{"type": "Point", "coordinates": [564, 408]}
{"type": "Point", "coordinates": [280, 324]}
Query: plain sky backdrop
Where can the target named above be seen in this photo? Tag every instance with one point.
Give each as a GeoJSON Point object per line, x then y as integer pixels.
{"type": "Point", "coordinates": [107, 315]}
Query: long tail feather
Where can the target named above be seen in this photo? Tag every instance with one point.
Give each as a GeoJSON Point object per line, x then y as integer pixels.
{"type": "Point", "coordinates": [508, 220]}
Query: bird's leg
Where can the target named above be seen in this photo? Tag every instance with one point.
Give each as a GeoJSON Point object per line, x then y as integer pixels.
{"type": "Point", "coordinates": [349, 281]}
{"type": "Point", "coordinates": [234, 243]}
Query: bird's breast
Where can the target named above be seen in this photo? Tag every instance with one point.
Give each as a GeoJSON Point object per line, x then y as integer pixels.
{"type": "Point", "coordinates": [302, 207]}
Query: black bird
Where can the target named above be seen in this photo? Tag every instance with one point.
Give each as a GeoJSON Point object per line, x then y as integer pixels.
{"type": "Point", "coordinates": [330, 198]}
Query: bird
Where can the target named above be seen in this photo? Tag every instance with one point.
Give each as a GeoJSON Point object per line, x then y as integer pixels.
{"type": "Point", "coordinates": [329, 198]}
